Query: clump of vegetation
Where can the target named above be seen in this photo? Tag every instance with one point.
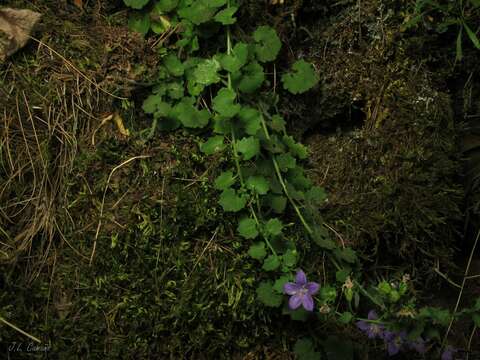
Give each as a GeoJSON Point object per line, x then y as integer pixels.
{"type": "Point", "coordinates": [182, 239]}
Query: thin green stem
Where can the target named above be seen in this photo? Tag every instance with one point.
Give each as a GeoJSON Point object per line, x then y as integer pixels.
{"type": "Point", "coordinates": [16, 328]}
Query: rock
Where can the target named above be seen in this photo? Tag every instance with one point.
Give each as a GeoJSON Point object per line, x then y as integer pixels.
{"type": "Point", "coordinates": [15, 29]}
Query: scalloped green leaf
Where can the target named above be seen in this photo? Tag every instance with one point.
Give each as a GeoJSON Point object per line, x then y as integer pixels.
{"type": "Point", "coordinates": [252, 78]}
{"type": "Point", "coordinates": [139, 22]}
{"type": "Point", "coordinates": [267, 295]}
{"type": "Point", "coordinates": [136, 4]}
{"type": "Point", "coordinates": [282, 280]}
{"type": "Point", "coordinates": [316, 195]}
{"type": "Point", "coordinates": [273, 227]}
{"type": "Point", "coordinates": [224, 103]}
{"type": "Point", "coordinates": [165, 5]}
{"type": "Point", "coordinates": [225, 180]}
{"type": "Point", "coordinates": [259, 184]}
{"type": "Point", "coordinates": [271, 263]}
{"type": "Point", "coordinates": [213, 145]}
{"type": "Point", "coordinates": [286, 162]}
{"type": "Point", "coordinates": [206, 72]}
{"type": "Point", "coordinates": [301, 79]}
{"type": "Point", "coordinates": [226, 16]}
{"type": "Point", "coordinates": [231, 201]}
{"type": "Point", "coordinates": [248, 147]}
{"type": "Point", "coordinates": [267, 45]}
{"type": "Point", "coordinates": [251, 119]}
{"type": "Point", "coordinates": [297, 149]}
{"type": "Point", "coordinates": [173, 65]}
{"type": "Point", "coordinates": [277, 203]}
{"type": "Point", "coordinates": [247, 228]}
{"type": "Point", "coordinates": [198, 12]}
{"type": "Point", "coordinates": [236, 60]}
{"type": "Point", "coordinates": [189, 115]}
{"type": "Point", "coordinates": [257, 251]}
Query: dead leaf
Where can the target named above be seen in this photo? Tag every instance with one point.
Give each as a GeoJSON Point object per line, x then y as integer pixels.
{"type": "Point", "coordinates": [15, 28]}
{"type": "Point", "coordinates": [78, 3]}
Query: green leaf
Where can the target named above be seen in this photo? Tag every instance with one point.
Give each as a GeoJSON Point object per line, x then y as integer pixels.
{"type": "Point", "coordinates": [273, 227]}
{"type": "Point", "coordinates": [251, 119]}
{"type": "Point", "coordinates": [282, 280]}
{"type": "Point", "coordinates": [136, 4]}
{"type": "Point", "coordinates": [304, 350]}
{"type": "Point", "coordinates": [289, 259]}
{"type": "Point", "coordinates": [212, 145]}
{"type": "Point", "coordinates": [236, 60]}
{"type": "Point", "coordinates": [252, 78]}
{"type": "Point", "coordinates": [173, 65]}
{"type": "Point", "coordinates": [286, 161]}
{"type": "Point", "coordinates": [197, 13]}
{"type": "Point", "coordinates": [476, 319]}
{"type": "Point", "coordinates": [139, 22]}
{"type": "Point", "coordinates": [302, 78]}
{"type": "Point", "coordinates": [337, 348]}
{"type": "Point", "coordinates": [342, 275]}
{"type": "Point", "coordinates": [267, 45]}
{"type": "Point", "coordinates": [231, 201]}
{"type": "Point", "coordinates": [316, 195]}
{"type": "Point", "coordinates": [151, 103]}
{"type": "Point", "coordinates": [296, 149]}
{"type": "Point", "coordinates": [267, 295]}
{"type": "Point", "coordinates": [225, 16]}
{"type": "Point", "coordinates": [225, 180]}
{"type": "Point", "coordinates": [189, 115]}
{"type": "Point", "coordinates": [257, 251]}
{"type": "Point", "coordinates": [224, 103]}
{"type": "Point", "coordinates": [247, 228]}
{"type": "Point", "coordinates": [321, 238]}
{"type": "Point", "coordinates": [166, 5]}
{"type": "Point", "coordinates": [249, 147]}
{"type": "Point", "coordinates": [347, 254]}
{"type": "Point", "coordinates": [259, 184]}
{"type": "Point", "coordinates": [214, 3]}
{"type": "Point", "coordinates": [272, 262]}
{"type": "Point", "coordinates": [277, 123]}
{"type": "Point", "coordinates": [206, 72]}
{"type": "Point", "coordinates": [328, 293]}
{"type": "Point", "coordinates": [277, 203]}
{"type": "Point", "coordinates": [346, 318]}
{"type": "Point", "coordinates": [459, 51]}
{"type": "Point", "coordinates": [472, 36]}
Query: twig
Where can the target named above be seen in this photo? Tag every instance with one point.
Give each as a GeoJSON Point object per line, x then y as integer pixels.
{"type": "Point", "coordinates": [20, 330]}
{"type": "Point", "coordinates": [103, 200]}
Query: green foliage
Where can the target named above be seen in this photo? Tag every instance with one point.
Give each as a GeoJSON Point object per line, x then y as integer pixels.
{"type": "Point", "coordinates": [136, 4]}
{"type": "Point", "coordinates": [305, 350]}
{"type": "Point", "coordinates": [267, 295]}
{"type": "Point", "coordinates": [273, 227]}
{"type": "Point", "coordinates": [225, 16]}
{"type": "Point", "coordinates": [231, 201]}
{"type": "Point", "coordinates": [225, 180]}
{"type": "Point", "coordinates": [301, 79]}
{"type": "Point", "coordinates": [247, 228]}
{"type": "Point", "coordinates": [267, 45]}
{"type": "Point", "coordinates": [258, 184]}
{"type": "Point", "coordinates": [257, 251]}
{"type": "Point", "coordinates": [224, 103]}
{"type": "Point", "coordinates": [213, 145]}
{"type": "Point", "coordinates": [249, 147]}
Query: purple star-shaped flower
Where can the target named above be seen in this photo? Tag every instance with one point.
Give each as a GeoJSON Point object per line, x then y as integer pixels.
{"type": "Point", "coordinates": [301, 292]}
{"type": "Point", "coordinates": [371, 329]}
{"type": "Point", "coordinates": [395, 341]}
{"type": "Point", "coordinates": [418, 345]}
{"type": "Point", "coordinates": [448, 353]}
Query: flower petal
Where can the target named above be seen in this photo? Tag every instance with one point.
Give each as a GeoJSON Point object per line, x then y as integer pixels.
{"type": "Point", "coordinates": [295, 302]}
{"type": "Point", "coordinates": [291, 288]}
{"type": "Point", "coordinates": [362, 325]}
{"type": "Point", "coordinates": [300, 278]}
{"type": "Point", "coordinates": [312, 288]}
{"type": "Point", "coordinates": [392, 348]}
{"type": "Point", "coordinates": [372, 315]}
{"type": "Point", "coordinates": [307, 302]}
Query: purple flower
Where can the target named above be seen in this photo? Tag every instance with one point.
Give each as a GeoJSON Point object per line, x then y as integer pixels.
{"type": "Point", "coordinates": [394, 341]}
{"type": "Point", "coordinates": [418, 345]}
{"type": "Point", "coordinates": [371, 329]}
{"type": "Point", "coordinates": [301, 292]}
{"type": "Point", "coordinates": [448, 353]}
